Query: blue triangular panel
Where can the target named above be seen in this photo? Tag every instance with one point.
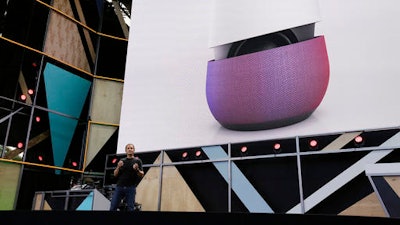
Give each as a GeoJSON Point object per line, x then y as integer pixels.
{"type": "Point", "coordinates": [87, 203]}
{"type": "Point", "coordinates": [66, 93]}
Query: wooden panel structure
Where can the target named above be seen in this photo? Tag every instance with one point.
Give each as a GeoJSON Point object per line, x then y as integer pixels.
{"type": "Point", "coordinates": [148, 189]}
{"type": "Point", "coordinates": [368, 206]}
{"type": "Point", "coordinates": [176, 195]}
{"type": "Point", "coordinates": [63, 40]}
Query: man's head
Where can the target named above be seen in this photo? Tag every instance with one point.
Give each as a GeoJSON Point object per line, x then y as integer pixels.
{"type": "Point", "coordinates": [130, 149]}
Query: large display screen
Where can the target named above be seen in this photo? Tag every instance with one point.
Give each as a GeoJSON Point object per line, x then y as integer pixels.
{"type": "Point", "coordinates": [164, 102]}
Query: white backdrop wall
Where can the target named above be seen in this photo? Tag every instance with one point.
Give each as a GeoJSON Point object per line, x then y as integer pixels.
{"type": "Point", "coordinates": [164, 104]}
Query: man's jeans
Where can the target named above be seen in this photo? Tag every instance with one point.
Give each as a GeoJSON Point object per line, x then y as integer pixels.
{"type": "Point", "coordinates": [128, 193]}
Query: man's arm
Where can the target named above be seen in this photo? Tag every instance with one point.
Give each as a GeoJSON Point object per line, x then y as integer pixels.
{"type": "Point", "coordinates": [139, 168]}
{"type": "Point", "coordinates": [116, 170]}
{"type": "Point", "coordinates": [140, 172]}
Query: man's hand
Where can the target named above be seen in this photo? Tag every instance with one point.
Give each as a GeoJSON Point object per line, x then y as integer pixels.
{"type": "Point", "coordinates": [140, 173]}
{"type": "Point", "coordinates": [120, 163]}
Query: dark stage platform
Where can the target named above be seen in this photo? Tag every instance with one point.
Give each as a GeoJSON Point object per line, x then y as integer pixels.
{"type": "Point", "coordinates": [179, 218]}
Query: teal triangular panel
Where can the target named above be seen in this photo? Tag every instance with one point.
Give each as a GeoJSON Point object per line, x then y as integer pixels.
{"type": "Point", "coordinates": [66, 93]}
{"type": "Point", "coordinates": [87, 203]}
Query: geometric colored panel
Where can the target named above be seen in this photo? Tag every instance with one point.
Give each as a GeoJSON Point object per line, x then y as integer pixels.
{"type": "Point", "coordinates": [87, 203]}
{"type": "Point", "coordinates": [37, 201]}
{"type": "Point", "coordinates": [176, 194]}
{"type": "Point", "coordinates": [66, 93]}
{"type": "Point", "coordinates": [390, 199]}
{"type": "Point", "coordinates": [106, 101]}
{"type": "Point", "coordinates": [368, 206]}
{"type": "Point", "coordinates": [97, 137]}
{"type": "Point", "coordinates": [339, 181]}
{"type": "Point", "coordinates": [394, 183]}
{"type": "Point", "coordinates": [149, 187]}
{"type": "Point", "coordinates": [240, 184]}
{"type": "Point", "coordinates": [100, 202]}
{"type": "Point", "coordinates": [63, 39]}
{"type": "Point", "coordinates": [384, 178]}
{"type": "Point", "coordinates": [341, 141]}
{"type": "Point", "coordinates": [9, 177]}
{"type": "Point", "coordinates": [46, 206]}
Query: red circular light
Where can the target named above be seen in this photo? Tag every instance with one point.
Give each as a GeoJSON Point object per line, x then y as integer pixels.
{"type": "Point", "coordinates": [37, 119]}
{"type": "Point", "coordinates": [20, 145]}
{"type": "Point", "coordinates": [23, 97]}
{"type": "Point", "coordinates": [30, 91]}
{"type": "Point", "coordinates": [184, 154]}
{"type": "Point", "coordinates": [277, 146]}
{"type": "Point", "coordinates": [114, 160]}
{"type": "Point", "coordinates": [40, 158]}
{"type": "Point", "coordinates": [313, 143]}
{"type": "Point", "coordinates": [75, 164]}
{"type": "Point", "coordinates": [198, 153]}
{"type": "Point", "coordinates": [243, 149]}
{"type": "Point", "coordinates": [358, 139]}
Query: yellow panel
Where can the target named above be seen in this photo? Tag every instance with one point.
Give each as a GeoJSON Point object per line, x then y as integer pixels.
{"type": "Point", "coordinates": [341, 141]}
{"type": "Point", "coordinates": [98, 136]}
{"type": "Point", "coordinates": [148, 189]}
{"type": "Point", "coordinates": [37, 201]}
{"type": "Point", "coordinates": [394, 182]}
{"type": "Point", "coordinates": [368, 206]}
{"type": "Point", "coordinates": [46, 206]}
{"type": "Point", "coordinates": [106, 103]}
{"type": "Point", "coordinates": [9, 176]}
{"type": "Point", "coordinates": [176, 194]}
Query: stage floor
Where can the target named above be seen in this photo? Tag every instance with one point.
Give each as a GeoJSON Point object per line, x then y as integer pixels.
{"type": "Point", "coordinates": [175, 218]}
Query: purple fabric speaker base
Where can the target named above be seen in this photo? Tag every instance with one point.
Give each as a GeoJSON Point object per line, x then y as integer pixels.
{"type": "Point", "coordinates": [268, 124]}
{"type": "Point", "coordinates": [268, 89]}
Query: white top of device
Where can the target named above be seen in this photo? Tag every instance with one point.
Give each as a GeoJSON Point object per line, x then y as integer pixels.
{"type": "Point", "coordinates": [235, 20]}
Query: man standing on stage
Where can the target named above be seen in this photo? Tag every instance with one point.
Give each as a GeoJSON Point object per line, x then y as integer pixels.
{"type": "Point", "coordinates": [128, 172]}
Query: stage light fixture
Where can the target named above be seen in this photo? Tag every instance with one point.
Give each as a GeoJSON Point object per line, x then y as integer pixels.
{"type": "Point", "coordinates": [358, 141]}
{"type": "Point", "coordinates": [30, 91]}
{"type": "Point", "coordinates": [40, 158]}
{"type": "Point", "coordinates": [20, 145]}
{"type": "Point", "coordinates": [277, 147]}
{"type": "Point", "coordinates": [198, 154]}
{"type": "Point", "coordinates": [243, 150]}
{"type": "Point", "coordinates": [185, 156]}
{"type": "Point", "coordinates": [23, 97]}
{"type": "Point", "coordinates": [74, 164]}
{"type": "Point", "coordinates": [313, 144]}
{"type": "Point", "coordinates": [37, 119]}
